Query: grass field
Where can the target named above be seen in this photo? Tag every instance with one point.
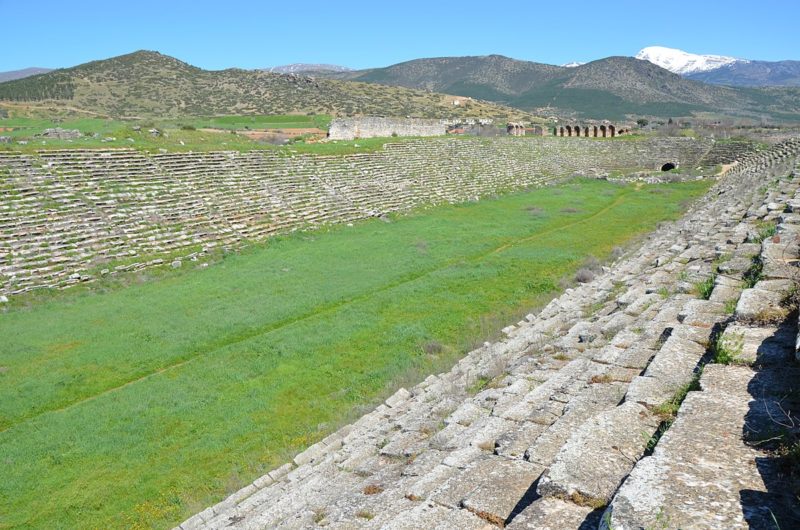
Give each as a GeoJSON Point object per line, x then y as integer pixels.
{"type": "Point", "coordinates": [138, 406]}
{"type": "Point", "coordinates": [261, 122]}
{"type": "Point", "coordinates": [181, 134]}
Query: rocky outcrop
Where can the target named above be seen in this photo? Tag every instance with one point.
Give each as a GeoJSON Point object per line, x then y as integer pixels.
{"type": "Point", "coordinates": [570, 412]}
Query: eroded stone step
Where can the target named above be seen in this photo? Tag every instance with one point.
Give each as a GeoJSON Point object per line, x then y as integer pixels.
{"type": "Point", "coordinates": [703, 474]}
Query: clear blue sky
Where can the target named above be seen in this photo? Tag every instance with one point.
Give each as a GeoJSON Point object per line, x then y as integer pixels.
{"type": "Point", "coordinates": [216, 35]}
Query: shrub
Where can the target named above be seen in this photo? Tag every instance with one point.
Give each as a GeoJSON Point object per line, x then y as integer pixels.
{"type": "Point", "coordinates": [584, 275]}
{"type": "Point", "coordinates": [432, 347]}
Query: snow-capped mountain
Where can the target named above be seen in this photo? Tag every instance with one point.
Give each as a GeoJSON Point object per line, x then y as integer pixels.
{"type": "Point", "coordinates": [684, 63]}
{"type": "Point", "coordinates": [573, 64]}
{"type": "Point", "coordinates": [722, 70]}
{"type": "Point", "coordinates": [303, 67]}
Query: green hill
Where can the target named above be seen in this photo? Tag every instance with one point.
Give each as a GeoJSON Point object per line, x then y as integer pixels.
{"type": "Point", "coordinates": [148, 83]}
{"type": "Point", "coordinates": [608, 88]}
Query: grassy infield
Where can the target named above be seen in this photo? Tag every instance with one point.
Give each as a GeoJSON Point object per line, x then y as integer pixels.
{"type": "Point", "coordinates": [181, 135]}
{"type": "Point", "coordinates": [138, 406]}
{"type": "Point", "coordinates": [178, 130]}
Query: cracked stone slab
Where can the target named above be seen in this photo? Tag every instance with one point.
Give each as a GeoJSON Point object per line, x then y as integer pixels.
{"type": "Point", "coordinates": [405, 444]}
{"type": "Point", "coordinates": [686, 485]}
{"type": "Point", "coordinates": [695, 334]}
{"type": "Point", "coordinates": [768, 344]}
{"type": "Point", "coordinates": [594, 399]}
{"type": "Point", "coordinates": [436, 517]}
{"type": "Point", "coordinates": [754, 303]}
{"type": "Point", "coordinates": [672, 367]}
{"type": "Point", "coordinates": [502, 484]}
{"type": "Point", "coordinates": [548, 513]}
{"type": "Point", "coordinates": [702, 313]}
{"type": "Point", "coordinates": [514, 443]}
{"type": "Point", "coordinates": [595, 460]}
{"type": "Point", "coordinates": [430, 482]}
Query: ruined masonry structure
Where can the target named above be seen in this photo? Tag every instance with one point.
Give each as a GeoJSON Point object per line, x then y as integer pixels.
{"type": "Point", "coordinates": [76, 215]}
{"type": "Point", "coordinates": [564, 434]}
{"type": "Point", "coordinates": [370, 127]}
{"type": "Point", "coordinates": [604, 130]}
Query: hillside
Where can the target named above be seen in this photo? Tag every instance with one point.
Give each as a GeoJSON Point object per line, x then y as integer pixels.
{"type": "Point", "coordinates": [608, 88]}
{"type": "Point", "coordinates": [148, 83]}
{"type": "Point", "coordinates": [491, 77]}
{"type": "Point", "coordinates": [753, 73]}
{"type": "Point", "coordinates": [21, 74]}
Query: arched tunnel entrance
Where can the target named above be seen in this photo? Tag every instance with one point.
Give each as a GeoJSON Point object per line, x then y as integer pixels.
{"type": "Point", "coordinates": [668, 166]}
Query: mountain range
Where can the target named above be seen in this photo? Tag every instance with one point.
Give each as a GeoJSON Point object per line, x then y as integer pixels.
{"type": "Point", "coordinates": [304, 68]}
{"type": "Point", "coordinates": [611, 88]}
{"type": "Point", "coordinates": [21, 74]}
{"type": "Point", "coordinates": [147, 84]}
{"type": "Point", "coordinates": [722, 70]}
{"type": "Point", "coordinates": [617, 88]}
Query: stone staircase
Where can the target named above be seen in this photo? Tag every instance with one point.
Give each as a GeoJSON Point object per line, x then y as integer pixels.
{"type": "Point", "coordinates": [567, 423]}
{"type": "Point", "coordinates": [72, 216]}
{"type": "Point", "coordinates": [728, 151]}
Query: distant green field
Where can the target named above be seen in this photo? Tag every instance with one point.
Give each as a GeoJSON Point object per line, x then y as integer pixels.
{"type": "Point", "coordinates": [180, 134]}
{"type": "Point", "coordinates": [261, 122]}
{"type": "Point", "coordinates": [135, 407]}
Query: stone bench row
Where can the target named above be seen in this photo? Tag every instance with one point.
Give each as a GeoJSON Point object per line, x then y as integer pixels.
{"type": "Point", "coordinates": [715, 466]}
{"type": "Point", "coordinates": [56, 193]}
{"type": "Point", "coordinates": [552, 406]}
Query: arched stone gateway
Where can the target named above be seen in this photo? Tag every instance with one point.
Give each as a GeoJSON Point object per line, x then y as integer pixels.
{"type": "Point", "coordinates": [668, 166]}
{"type": "Point", "coordinates": [604, 130]}
{"type": "Point", "coordinates": [516, 129]}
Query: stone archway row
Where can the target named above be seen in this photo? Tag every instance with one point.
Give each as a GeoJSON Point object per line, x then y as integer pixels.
{"type": "Point", "coordinates": [593, 131]}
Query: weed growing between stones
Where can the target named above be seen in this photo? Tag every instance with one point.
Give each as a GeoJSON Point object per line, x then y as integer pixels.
{"type": "Point", "coordinates": [727, 350]}
{"type": "Point", "coordinates": [766, 229]}
{"type": "Point", "coordinates": [668, 411]}
{"type": "Point", "coordinates": [730, 306]}
{"type": "Point", "coordinates": [754, 274]}
{"type": "Point", "coordinates": [319, 515]}
{"type": "Point", "coordinates": [703, 288]}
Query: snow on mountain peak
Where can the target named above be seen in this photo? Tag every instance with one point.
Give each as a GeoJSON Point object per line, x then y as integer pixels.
{"type": "Point", "coordinates": [681, 62]}
{"type": "Point", "coordinates": [573, 64]}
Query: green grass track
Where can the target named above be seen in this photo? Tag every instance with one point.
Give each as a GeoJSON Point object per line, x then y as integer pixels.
{"type": "Point", "coordinates": [138, 406]}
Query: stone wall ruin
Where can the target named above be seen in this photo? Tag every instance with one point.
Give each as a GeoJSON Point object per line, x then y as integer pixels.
{"type": "Point", "coordinates": [372, 127]}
